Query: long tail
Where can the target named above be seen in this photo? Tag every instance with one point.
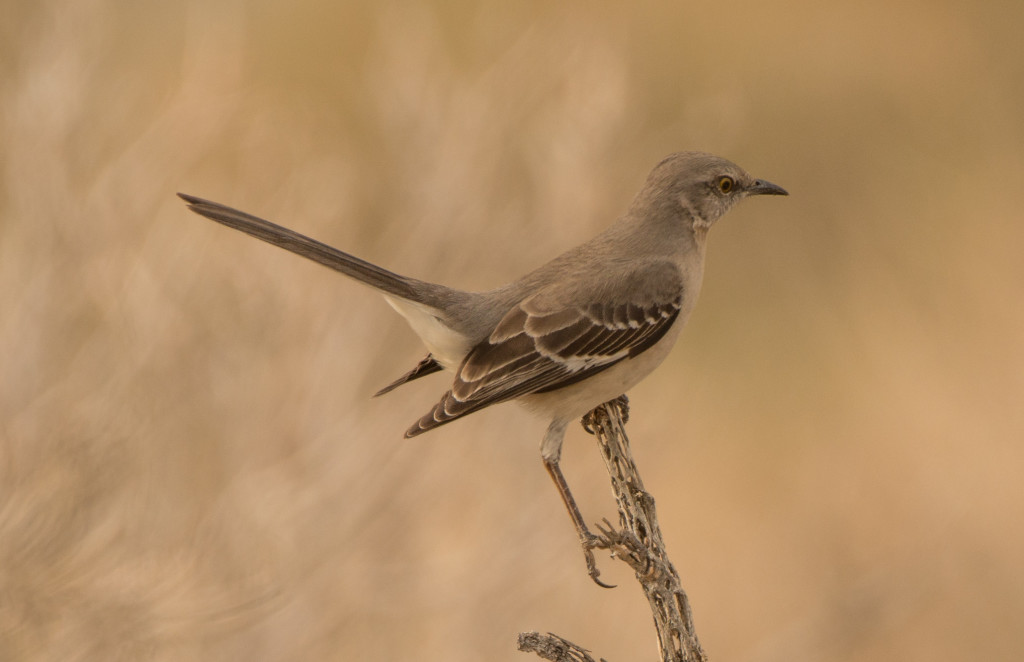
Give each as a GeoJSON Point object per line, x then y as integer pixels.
{"type": "Point", "coordinates": [350, 265]}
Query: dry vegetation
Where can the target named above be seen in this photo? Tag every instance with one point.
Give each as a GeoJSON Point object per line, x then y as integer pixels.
{"type": "Point", "coordinates": [190, 467]}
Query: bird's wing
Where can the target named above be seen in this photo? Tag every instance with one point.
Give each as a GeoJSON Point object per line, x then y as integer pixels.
{"type": "Point", "coordinates": [546, 343]}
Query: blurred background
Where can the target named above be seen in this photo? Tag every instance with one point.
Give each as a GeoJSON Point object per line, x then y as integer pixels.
{"type": "Point", "coordinates": [191, 466]}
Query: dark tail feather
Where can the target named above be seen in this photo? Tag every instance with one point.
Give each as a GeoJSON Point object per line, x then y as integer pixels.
{"type": "Point", "coordinates": [361, 270]}
{"type": "Point", "coordinates": [426, 366]}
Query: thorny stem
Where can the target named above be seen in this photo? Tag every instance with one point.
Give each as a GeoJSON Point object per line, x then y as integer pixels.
{"type": "Point", "coordinates": [638, 543]}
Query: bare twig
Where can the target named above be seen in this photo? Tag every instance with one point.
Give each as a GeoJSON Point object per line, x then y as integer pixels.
{"type": "Point", "coordinates": [552, 647]}
{"type": "Point", "coordinates": [638, 543]}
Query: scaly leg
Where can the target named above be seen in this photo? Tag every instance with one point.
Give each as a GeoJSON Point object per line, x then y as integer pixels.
{"type": "Point", "coordinates": [551, 451]}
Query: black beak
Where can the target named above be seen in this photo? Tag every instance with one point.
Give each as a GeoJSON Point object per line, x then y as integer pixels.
{"type": "Point", "coordinates": [762, 187]}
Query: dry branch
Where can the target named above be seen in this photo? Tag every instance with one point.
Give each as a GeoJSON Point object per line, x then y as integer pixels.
{"type": "Point", "coordinates": [552, 647]}
{"type": "Point", "coordinates": [638, 543]}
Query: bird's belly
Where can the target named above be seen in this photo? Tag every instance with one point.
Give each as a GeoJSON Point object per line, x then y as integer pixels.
{"type": "Point", "coordinates": [577, 399]}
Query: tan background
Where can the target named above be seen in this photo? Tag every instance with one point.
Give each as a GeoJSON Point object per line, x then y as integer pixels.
{"type": "Point", "coordinates": [190, 465]}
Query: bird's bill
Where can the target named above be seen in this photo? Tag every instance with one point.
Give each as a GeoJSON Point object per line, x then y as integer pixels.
{"type": "Point", "coordinates": [763, 187]}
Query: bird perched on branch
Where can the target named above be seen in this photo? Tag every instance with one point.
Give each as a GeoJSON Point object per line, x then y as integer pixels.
{"type": "Point", "coordinates": [565, 338]}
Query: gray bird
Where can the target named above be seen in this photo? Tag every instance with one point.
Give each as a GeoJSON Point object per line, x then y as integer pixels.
{"type": "Point", "coordinates": [577, 332]}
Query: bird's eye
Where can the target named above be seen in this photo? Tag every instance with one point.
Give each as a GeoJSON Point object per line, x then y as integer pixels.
{"type": "Point", "coordinates": [725, 184]}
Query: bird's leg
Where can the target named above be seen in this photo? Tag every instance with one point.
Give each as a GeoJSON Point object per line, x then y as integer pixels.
{"type": "Point", "coordinates": [551, 451]}
{"type": "Point", "coordinates": [587, 539]}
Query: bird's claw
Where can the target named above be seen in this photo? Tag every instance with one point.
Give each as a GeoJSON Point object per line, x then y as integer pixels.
{"type": "Point", "coordinates": [622, 403]}
{"type": "Point", "coordinates": [590, 542]}
{"type": "Point", "coordinates": [591, 418]}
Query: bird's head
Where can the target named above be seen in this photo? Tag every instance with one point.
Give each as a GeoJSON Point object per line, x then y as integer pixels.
{"type": "Point", "coordinates": [700, 187]}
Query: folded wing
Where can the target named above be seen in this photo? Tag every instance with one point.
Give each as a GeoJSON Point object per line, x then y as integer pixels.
{"type": "Point", "coordinates": [538, 347]}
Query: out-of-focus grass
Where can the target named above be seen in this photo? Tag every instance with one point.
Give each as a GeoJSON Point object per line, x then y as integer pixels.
{"type": "Point", "coordinates": [189, 464]}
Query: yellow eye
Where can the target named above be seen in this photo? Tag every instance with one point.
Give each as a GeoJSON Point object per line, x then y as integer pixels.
{"type": "Point", "coordinates": [725, 184]}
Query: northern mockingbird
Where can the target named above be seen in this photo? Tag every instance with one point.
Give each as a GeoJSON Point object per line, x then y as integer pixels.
{"type": "Point", "coordinates": [575, 333]}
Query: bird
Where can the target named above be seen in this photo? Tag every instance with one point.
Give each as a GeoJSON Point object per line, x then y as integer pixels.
{"type": "Point", "coordinates": [570, 335]}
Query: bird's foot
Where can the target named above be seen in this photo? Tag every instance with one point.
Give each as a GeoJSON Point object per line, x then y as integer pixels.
{"type": "Point", "coordinates": [591, 542]}
{"type": "Point", "coordinates": [591, 418]}
{"type": "Point", "coordinates": [625, 546]}
{"type": "Point", "coordinates": [622, 402]}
